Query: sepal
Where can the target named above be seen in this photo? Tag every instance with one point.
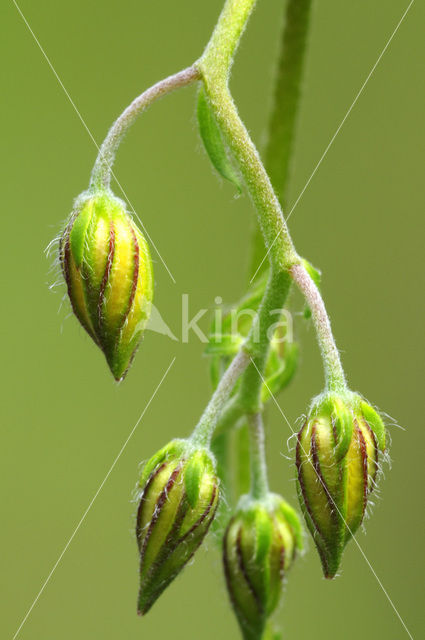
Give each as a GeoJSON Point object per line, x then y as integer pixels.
{"type": "Point", "coordinates": [337, 459]}
{"type": "Point", "coordinates": [259, 546]}
{"type": "Point", "coordinates": [107, 267]}
{"type": "Point", "coordinates": [178, 499]}
{"type": "Point", "coordinates": [213, 141]}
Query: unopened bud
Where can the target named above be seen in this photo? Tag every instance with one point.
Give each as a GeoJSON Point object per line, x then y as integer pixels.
{"type": "Point", "coordinates": [337, 461]}
{"type": "Point", "coordinates": [108, 271]}
{"type": "Point", "coordinates": [260, 545]}
{"type": "Point", "coordinates": [179, 496]}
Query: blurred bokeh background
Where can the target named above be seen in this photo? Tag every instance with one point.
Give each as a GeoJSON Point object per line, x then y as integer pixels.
{"type": "Point", "coordinates": [360, 220]}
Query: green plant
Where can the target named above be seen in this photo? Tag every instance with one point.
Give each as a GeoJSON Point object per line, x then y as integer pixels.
{"type": "Point", "coordinates": [109, 282]}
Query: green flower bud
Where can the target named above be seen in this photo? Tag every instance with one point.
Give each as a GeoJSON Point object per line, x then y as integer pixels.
{"type": "Point", "coordinates": [337, 458]}
{"type": "Point", "coordinates": [108, 271]}
{"type": "Point", "coordinates": [259, 546]}
{"type": "Point", "coordinates": [179, 496]}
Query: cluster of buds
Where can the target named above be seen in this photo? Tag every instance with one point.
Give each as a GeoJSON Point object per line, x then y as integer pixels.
{"type": "Point", "coordinates": [230, 331]}
{"type": "Point", "coordinates": [259, 546]}
{"type": "Point", "coordinates": [107, 267]}
{"type": "Point", "coordinates": [178, 499]}
{"type": "Point", "coordinates": [337, 460]}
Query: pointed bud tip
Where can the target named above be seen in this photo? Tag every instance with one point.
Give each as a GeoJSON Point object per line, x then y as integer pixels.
{"type": "Point", "coordinates": [108, 271]}
{"type": "Point", "coordinates": [337, 459]}
{"type": "Point", "coordinates": [179, 497]}
{"type": "Point", "coordinates": [259, 546]}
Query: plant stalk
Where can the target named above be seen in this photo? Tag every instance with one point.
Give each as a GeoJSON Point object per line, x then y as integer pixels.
{"type": "Point", "coordinates": [259, 482]}
{"type": "Point", "coordinates": [204, 430]}
{"type": "Point", "coordinates": [214, 66]}
{"type": "Point", "coordinates": [101, 173]}
{"type": "Point", "coordinates": [334, 373]}
{"type": "Point", "coordinates": [258, 343]}
{"type": "Point", "coordinates": [278, 152]}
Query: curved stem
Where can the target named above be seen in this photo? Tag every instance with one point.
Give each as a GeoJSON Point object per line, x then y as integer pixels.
{"type": "Point", "coordinates": [214, 67]}
{"type": "Point", "coordinates": [229, 416]}
{"type": "Point", "coordinates": [204, 430]}
{"type": "Point", "coordinates": [248, 397]}
{"type": "Point", "coordinates": [259, 482]}
{"type": "Point", "coordinates": [334, 374]}
{"type": "Point", "coordinates": [220, 50]}
{"type": "Point", "coordinates": [283, 118]}
{"type": "Point", "coordinates": [101, 174]}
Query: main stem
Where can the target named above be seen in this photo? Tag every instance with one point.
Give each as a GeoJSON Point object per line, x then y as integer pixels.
{"type": "Point", "coordinates": [101, 174]}
{"type": "Point", "coordinates": [278, 152]}
{"type": "Point", "coordinates": [214, 67]}
{"type": "Point", "coordinates": [258, 343]}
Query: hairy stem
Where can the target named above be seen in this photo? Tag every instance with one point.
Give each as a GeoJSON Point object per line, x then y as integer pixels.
{"type": "Point", "coordinates": [204, 430]}
{"type": "Point", "coordinates": [214, 67]}
{"type": "Point", "coordinates": [258, 343]}
{"type": "Point", "coordinates": [101, 174]}
{"type": "Point", "coordinates": [278, 152]}
{"type": "Point", "coordinates": [334, 374]}
{"type": "Point", "coordinates": [230, 415]}
{"type": "Point", "coordinates": [259, 482]}
{"type": "Point", "coordinates": [220, 50]}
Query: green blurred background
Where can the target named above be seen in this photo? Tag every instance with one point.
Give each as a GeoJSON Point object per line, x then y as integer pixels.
{"type": "Point", "coordinates": [360, 220]}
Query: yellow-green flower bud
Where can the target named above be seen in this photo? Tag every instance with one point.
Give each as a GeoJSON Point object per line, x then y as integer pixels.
{"type": "Point", "coordinates": [259, 546]}
{"type": "Point", "coordinates": [337, 460]}
{"type": "Point", "coordinates": [108, 271]}
{"type": "Point", "coordinates": [179, 496]}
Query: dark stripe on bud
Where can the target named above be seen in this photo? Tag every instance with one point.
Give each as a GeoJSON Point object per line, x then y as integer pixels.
{"type": "Point", "coordinates": [337, 462]}
{"type": "Point", "coordinates": [244, 573]}
{"type": "Point", "coordinates": [259, 546]}
{"type": "Point", "coordinates": [108, 271]}
{"type": "Point", "coordinates": [108, 267]}
{"type": "Point", "coordinates": [170, 527]}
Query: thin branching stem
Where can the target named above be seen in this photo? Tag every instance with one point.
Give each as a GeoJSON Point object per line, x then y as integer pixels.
{"type": "Point", "coordinates": [334, 374]}
{"type": "Point", "coordinates": [101, 174]}
{"type": "Point", "coordinates": [204, 430]}
{"type": "Point", "coordinates": [214, 66]}
{"type": "Point", "coordinates": [279, 149]}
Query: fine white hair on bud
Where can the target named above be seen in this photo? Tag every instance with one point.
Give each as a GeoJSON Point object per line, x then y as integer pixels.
{"type": "Point", "coordinates": [337, 457]}
{"type": "Point", "coordinates": [259, 546]}
{"type": "Point", "coordinates": [107, 267]}
{"type": "Point", "coordinates": [178, 500]}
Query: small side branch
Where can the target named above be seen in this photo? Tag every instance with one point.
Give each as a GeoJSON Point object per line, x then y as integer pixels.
{"type": "Point", "coordinates": [204, 430]}
{"type": "Point", "coordinates": [334, 374]}
{"type": "Point", "coordinates": [101, 174]}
